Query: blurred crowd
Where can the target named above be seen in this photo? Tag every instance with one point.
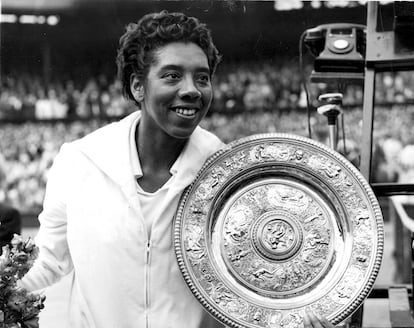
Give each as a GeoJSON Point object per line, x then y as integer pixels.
{"type": "Point", "coordinates": [250, 98]}
{"type": "Point", "coordinates": [246, 86]}
{"type": "Point", "coordinates": [24, 96]}
{"type": "Point", "coordinates": [27, 152]}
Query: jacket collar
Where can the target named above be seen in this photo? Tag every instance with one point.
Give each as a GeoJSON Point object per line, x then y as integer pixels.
{"type": "Point", "coordinates": [108, 149]}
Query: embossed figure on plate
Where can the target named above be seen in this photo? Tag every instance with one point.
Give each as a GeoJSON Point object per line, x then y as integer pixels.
{"type": "Point", "coordinates": [237, 224]}
{"type": "Point", "coordinates": [279, 235]}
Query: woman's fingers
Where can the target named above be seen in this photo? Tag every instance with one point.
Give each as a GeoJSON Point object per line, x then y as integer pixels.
{"type": "Point", "coordinates": [306, 321]}
{"type": "Point", "coordinates": [315, 322]}
{"type": "Point", "coordinates": [325, 323]}
{"type": "Point", "coordinates": [310, 320]}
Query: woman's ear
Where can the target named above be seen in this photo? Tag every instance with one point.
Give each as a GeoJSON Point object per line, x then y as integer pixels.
{"type": "Point", "coordinates": [137, 88]}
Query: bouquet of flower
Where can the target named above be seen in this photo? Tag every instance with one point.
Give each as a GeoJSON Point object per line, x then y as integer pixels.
{"type": "Point", "coordinates": [18, 308]}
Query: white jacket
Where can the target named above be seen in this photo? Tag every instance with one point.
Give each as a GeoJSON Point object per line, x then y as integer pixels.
{"type": "Point", "coordinates": [92, 223]}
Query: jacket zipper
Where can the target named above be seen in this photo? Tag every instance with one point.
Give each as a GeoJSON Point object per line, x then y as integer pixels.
{"type": "Point", "coordinates": [147, 282]}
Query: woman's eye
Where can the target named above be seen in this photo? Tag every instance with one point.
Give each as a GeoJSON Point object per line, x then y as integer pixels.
{"type": "Point", "coordinates": [172, 76]}
{"type": "Point", "coordinates": [203, 78]}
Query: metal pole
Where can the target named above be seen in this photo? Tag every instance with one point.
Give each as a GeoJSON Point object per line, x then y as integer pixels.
{"type": "Point", "coordinates": [369, 96]}
{"type": "Point", "coordinates": [368, 123]}
{"type": "Point", "coordinates": [333, 142]}
{"type": "Point", "coordinates": [1, 55]}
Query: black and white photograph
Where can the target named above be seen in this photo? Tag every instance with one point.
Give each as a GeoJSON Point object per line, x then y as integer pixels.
{"type": "Point", "coordinates": [206, 164]}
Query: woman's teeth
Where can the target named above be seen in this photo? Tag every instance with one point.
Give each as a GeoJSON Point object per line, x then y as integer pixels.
{"type": "Point", "coordinates": [186, 112]}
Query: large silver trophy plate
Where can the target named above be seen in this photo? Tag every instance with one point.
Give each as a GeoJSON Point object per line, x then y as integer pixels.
{"type": "Point", "coordinates": [275, 225]}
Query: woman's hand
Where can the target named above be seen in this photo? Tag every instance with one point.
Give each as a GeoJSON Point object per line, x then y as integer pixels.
{"type": "Point", "coordinates": [310, 320]}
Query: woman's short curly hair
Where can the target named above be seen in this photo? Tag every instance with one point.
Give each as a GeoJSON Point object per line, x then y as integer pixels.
{"type": "Point", "coordinates": [137, 44]}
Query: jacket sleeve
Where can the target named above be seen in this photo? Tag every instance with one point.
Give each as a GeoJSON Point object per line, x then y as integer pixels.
{"type": "Point", "coordinates": [54, 260]}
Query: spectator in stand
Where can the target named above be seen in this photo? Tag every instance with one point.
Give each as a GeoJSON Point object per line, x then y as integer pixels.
{"type": "Point", "coordinates": [406, 160]}
{"type": "Point", "coordinates": [258, 94]}
{"type": "Point", "coordinates": [42, 106]}
{"type": "Point", "coordinates": [113, 103]}
{"type": "Point", "coordinates": [406, 173]}
{"type": "Point", "coordinates": [57, 107]}
{"type": "Point", "coordinates": [71, 98]}
{"type": "Point", "coordinates": [90, 102]}
{"type": "Point", "coordinates": [391, 147]}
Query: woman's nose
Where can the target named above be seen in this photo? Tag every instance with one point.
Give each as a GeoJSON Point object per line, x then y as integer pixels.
{"type": "Point", "coordinates": [189, 89]}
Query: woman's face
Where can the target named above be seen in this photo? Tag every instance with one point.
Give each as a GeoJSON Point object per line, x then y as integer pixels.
{"type": "Point", "coordinates": [177, 90]}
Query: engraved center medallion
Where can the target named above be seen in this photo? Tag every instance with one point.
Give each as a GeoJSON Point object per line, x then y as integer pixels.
{"type": "Point", "coordinates": [277, 235]}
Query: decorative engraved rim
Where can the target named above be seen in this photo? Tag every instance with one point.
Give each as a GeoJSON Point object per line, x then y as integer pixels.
{"type": "Point", "coordinates": [361, 185]}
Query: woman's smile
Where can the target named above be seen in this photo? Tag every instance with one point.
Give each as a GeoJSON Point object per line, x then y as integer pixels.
{"type": "Point", "coordinates": [186, 112]}
{"type": "Point", "coordinates": [177, 90]}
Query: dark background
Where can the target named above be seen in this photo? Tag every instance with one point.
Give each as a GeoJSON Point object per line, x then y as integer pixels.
{"type": "Point", "coordinates": [88, 33]}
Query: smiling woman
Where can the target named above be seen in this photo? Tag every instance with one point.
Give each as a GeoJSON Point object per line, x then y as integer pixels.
{"type": "Point", "coordinates": [176, 94]}
{"type": "Point", "coordinates": [111, 196]}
